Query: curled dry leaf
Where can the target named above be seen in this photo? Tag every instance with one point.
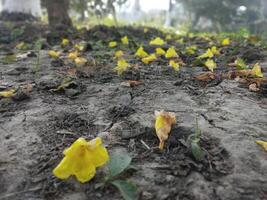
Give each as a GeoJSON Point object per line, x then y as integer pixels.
{"type": "Point", "coordinates": [163, 124]}
{"type": "Point", "coordinates": [130, 83]}
{"type": "Point", "coordinates": [206, 77]}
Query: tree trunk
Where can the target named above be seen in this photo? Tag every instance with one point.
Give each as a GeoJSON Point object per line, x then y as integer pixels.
{"type": "Point", "coordinates": [58, 12]}
{"type": "Point", "coordinates": [31, 7]}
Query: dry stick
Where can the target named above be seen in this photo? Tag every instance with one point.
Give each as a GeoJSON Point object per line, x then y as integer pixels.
{"type": "Point", "coordinates": [145, 144]}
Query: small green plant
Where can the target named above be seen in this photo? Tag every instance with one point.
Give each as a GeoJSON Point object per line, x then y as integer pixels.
{"type": "Point", "coordinates": [117, 165]}
{"type": "Point", "coordinates": [17, 32]}
{"type": "Point", "coordinates": [37, 47]}
{"type": "Point", "coordinates": [197, 151]}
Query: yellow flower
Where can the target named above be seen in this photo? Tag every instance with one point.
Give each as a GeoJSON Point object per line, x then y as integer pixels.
{"type": "Point", "coordinates": [145, 30]}
{"type": "Point", "coordinates": [81, 160]}
{"type": "Point", "coordinates": [118, 54]}
{"type": "Point", "coordinates": [160, 51]}
{"type": "Point", "coordinates": [125, 40]}
{"type": "Point", "coordinates": [8, 93]}
{"type": "Point", "coordinates": [112, 44]}
{"type": "Point", "coordinates": [207, 54]}
{"type": "Point", "coordinates": [65, 42]}
{"type": "Point", "coordinates": [149, 59]}
{"type": "Point", "coordinates": [53, 54]}
{"type": "Point", "coordinates": [21, 46]}
{"type": "Point", "coordinates": [214, 50]}
{"type": "Point", "coordinates": [256, 71]}
{"type": "Point", "coordinates": [157, 41]}
{"type": "Point", "coordinates": [122, 66]}
{"type": "Point", "coordinates": [80, 47]}
{"type": "Point", "coordinates": [171, 53]}
{"type": "Point", "coordinates": [164, 121]}
{"type": "Point", "coordinates": [210, 64]}
{"type": "Point", "coordinates": [226, 42]}
{"type": "Point", "coordinates": [174, 65]}
{"type": "Point", "coordinates": [262, 143]}
{"type": "Point", "coordinates": [168, 37]}
{"type": "Point", "coordinates": [79, 61]}
{"type": "Point", "coordinates": [191, 50]}
{"type": "Point", "coordinates": [141, 53]}
{"type": "Point", "coordinates": [73, 55]}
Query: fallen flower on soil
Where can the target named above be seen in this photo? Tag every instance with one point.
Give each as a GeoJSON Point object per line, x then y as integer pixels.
{"type": "Point", "coordinates": [112, 44]}
{"type": "Point", "coordinates": [262, 143]}
{"type": "Point", "coordinates": [207, 54]}
{"type": "Point", "coordinates": [171, 53]}
{"type": "Point", "coordinates": [226, 42]}
{"type": "Point", "coordinates": [122, 66]}
{"type": "Point", "coordinates": [125, 40]}
{"type": "Point", "coordinates": [210, 64]}
{"type": "Point", "coordinates": [81, 159]}
{"type": "Point", "coordinates": [73, 55]}
{"type": "Point", "coordinates": [118, 54]}
{"type": "Point", "coordinates": [141, 53]}
{"type": "Point", "coordinates": [163, 124]}
{"type": "Point", "coordinates": [157, 42]}
{"type": "Point", "coordinates": [54, 54]}
{"type": "Point", "coordinates": [149, 59]}
{"type": "Point", "coordinates": [256, 71]}
{"type": "Point", "coordinates": [65, 42]}
{"type": "Point", "coordinates": [8, 93]}
{"type": "Point", "coordinates": [160, 51]}
{"type": "Point", "coordinates": [80, 61]}
{"type": "Point", "coordinates": [174, 65]}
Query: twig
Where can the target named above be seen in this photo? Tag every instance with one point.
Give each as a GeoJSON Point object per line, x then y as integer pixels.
{"type": "Point", "coordinates": [145, 144]}
{"type": "Point", "coordinates": [8, 196]}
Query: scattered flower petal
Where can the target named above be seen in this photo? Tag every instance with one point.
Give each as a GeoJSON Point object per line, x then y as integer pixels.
{"type": "Point", "coordinates": [171, 53]}
{"type": "Point", "coordinates": [262, 143]}
{"type": "Point", "coordinates": [79, 61]}
{"type": "Point", "coordinates": [160, 51]}
{"type": "Point", "coordinates": [207, 54]}
{"type": "Point", "coordinates": [118, 54]}
{"type": "Point", "coordinates": [256, 71]}
{"type": "Point", "coordinates": [53, 54]}
{"type": "Point", "coordinates": [174, 65]}
{"type": "Point", "coordinates": [81, 159]}
{"type": "Point", "coordinates": [141, 53]}
{"type": "Point", "coordinates": [157, 41]}
{"type": "Point", "coordinates": [210, 64]}
{"type": "Point", "coordinates": [73, 55]}
{"type": "Point", "coordinates": [112, 44]}
{"type": "Point", "coordinates": [164, 121]}
{"type": "Point", "coordinates": [125, 40]}
{"type": "Point", "coordinates": [149, 59]}
{"type": "Point", "coordinates": [8, 93]}
{"type": "Point", "coordinates": [65, 42]}
{"type": "Point", "coordinates": [226, 42]}
{"type": "Point", "coordinates": [122, 66]}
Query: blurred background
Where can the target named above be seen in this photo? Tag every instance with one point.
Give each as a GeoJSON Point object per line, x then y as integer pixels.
{"type": "Point", "coordinates": [181, 15]}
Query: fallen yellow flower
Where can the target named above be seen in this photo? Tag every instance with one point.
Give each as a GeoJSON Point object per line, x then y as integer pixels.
{"type": "Point", "coordinates": [168, 37]}
{"type": "Point", "coordinates": [207, 54]}
{"type": "Point", "coordinates": [81, 159]}
{"type": "Point", "coordinates": [210, 64]}
{"type": "Point", "coordinates": [125, 40]}
{"type": "Point", "coordinates": [118, 54]}
{"type": "Point", "coordinates": [191, 50]}
{"type": "Point", "coordinates": [73, 55]}
{"type": "Point", "coordinates": [163, 124]}
{"type": "Point", "coordinates": [149, 59]}
{"type": "Point", "coordinates": [157, 41]}
{"type": "Point", "coordinates": [65, 42]}
{"type": "Point", "coordinates": [8, 93]}
{"type": "Point", "coordinates": [53, 54]}
{"type": "Point", "coordinates": [171, 53]}
{"type": "Point", "coordinates": [256, 71]}
{"type": "Point", "coordinates": [226, 42]}
{"type": "Point", "coordinates": [214, 50]}
{"type": "Point", "coordinates": [262, 143]}
{"type": "Point", "coordinates": [79, 61]}
{"type": "Point", "coordinates": [141, 53]}
{"type": "Point", "coordinates": [122, 66]}
{"type": "Point", "coordinates": [160, 51]}
{"type": "Point", "coordinates": [174, 65]}
{"type": "Point", "coordinates": [112, 44]}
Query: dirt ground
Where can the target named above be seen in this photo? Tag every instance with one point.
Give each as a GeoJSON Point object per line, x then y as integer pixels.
{"type": "Point", "coordinates": [36, 128]}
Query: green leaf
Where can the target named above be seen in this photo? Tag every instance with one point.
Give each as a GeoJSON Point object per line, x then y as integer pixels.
{"type": "Point", "coordinates": [118, 163]}
{"type": "Point", "coordinates": [197, 152]}
{"type": "Point", "coordinates": [128, 190]}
